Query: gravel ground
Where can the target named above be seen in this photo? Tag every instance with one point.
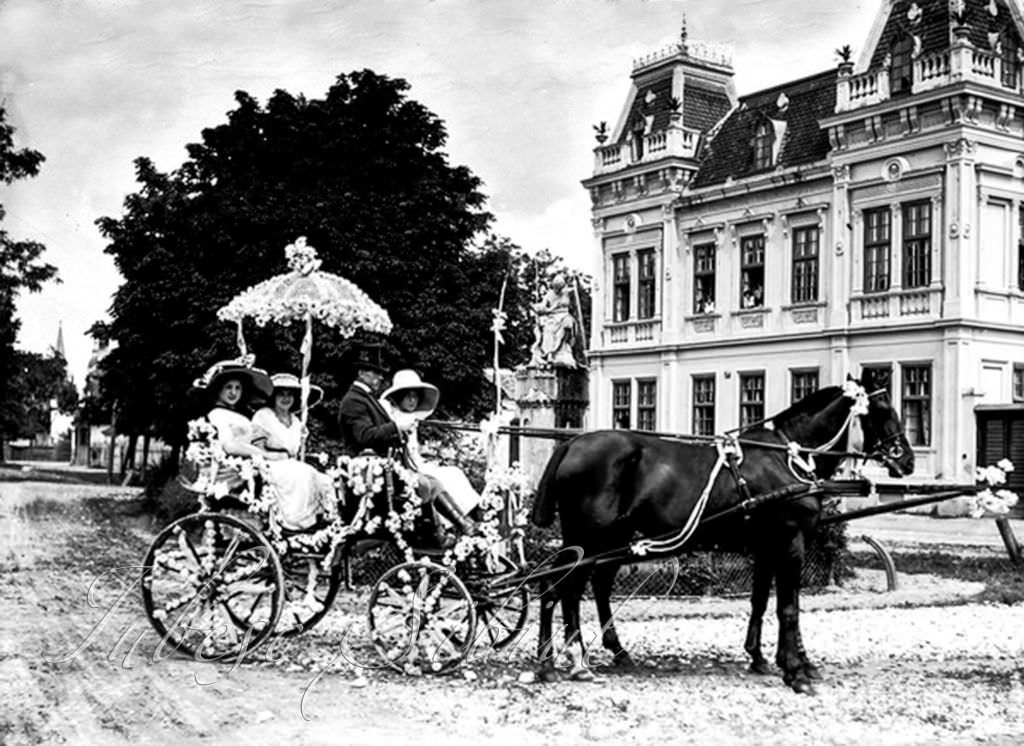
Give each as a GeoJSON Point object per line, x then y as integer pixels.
{"type": "Point", "coordinates": [922, 665]}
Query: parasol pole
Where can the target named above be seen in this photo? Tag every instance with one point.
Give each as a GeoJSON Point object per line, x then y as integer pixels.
{"type": "Point", "coordinates": [307, 351]}
{"type": "Point", "coordinates": [498, 327]}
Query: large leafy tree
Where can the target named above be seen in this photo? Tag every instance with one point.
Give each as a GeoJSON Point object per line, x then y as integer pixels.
{"type": "Point", "coordinates": [38, 382]}
{"type": "Point", "coordinates": [363, 175]}
{"type": "Point", "coordinates": [21, 269]}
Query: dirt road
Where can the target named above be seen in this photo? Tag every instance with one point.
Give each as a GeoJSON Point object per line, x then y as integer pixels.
{"type": "Point", "coordinates": [79, 664]}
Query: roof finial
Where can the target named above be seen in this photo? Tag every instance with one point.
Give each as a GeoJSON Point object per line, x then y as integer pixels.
{"type": "Point", "coordinates": [682, 32]}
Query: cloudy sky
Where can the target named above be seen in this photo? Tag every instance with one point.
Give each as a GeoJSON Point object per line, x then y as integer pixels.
{"type": "Point", "coordinates": [93, 84]}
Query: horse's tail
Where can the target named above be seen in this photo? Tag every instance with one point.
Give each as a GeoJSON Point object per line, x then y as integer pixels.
{"type": "Point", "coordinates": [544, 502]}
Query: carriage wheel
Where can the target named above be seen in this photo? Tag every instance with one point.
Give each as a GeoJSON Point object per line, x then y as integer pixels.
{"type": "Point", "coordinates": [502, 611]}
{"type": "Point", "coordinates": [309, 592]}
{"type": "Point", "coordinates": [212, 586]}
{"type": "Point", "coordinates": [421, 618]}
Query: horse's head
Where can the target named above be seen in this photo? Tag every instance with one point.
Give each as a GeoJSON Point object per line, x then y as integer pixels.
{"type": "Point", "coordinates": [884, 439]}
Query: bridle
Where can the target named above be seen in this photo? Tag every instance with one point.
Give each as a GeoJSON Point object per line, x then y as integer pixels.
{"type": "Point", "coordinates": [889, 447]}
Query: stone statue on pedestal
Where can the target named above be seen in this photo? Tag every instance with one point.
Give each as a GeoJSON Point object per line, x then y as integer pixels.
{"type": "Point", "coordinates": [556, 328]}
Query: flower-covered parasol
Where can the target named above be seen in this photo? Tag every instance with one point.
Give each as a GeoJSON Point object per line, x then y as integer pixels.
{"type": "Point", "coordinates": [303, 294]}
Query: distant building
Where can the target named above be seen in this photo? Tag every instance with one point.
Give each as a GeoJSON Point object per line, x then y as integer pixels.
{"type": "Point", "coordinates": [758, 247]}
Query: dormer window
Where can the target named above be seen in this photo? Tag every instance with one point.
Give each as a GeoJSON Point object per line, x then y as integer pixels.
{"type": "Point", "coordinates": [1010, 65]}
{"type": "Point", "coordinates": [636, 142]}
{"type": "Point", "coordinates": [901, 66]}
{"type": "Point", "coordinates": [763, 136]}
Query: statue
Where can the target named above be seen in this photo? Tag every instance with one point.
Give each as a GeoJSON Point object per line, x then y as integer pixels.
{"type": "Point", "coordinates": [556, 328]}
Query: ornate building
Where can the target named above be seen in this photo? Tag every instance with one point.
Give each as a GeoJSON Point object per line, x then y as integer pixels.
{"type": "Point", "coordinates": [755, 248]}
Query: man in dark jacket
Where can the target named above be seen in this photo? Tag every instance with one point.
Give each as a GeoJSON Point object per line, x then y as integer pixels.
{"type": "Point", "coordinates": [366, 426]}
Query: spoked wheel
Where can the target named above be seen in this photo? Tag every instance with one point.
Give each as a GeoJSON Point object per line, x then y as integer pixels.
{"type": "Point", "coordinates": [309, 591]}
{"type": "Point", "coordinates": [502, 604]}
{"type": "Point", "coordinates": [212, 586]}
{"type": "Point", "coordinates": [421, 618]}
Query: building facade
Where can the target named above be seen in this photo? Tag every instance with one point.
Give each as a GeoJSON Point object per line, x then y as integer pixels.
{"type": "Point", "coordinates": [757, 247]}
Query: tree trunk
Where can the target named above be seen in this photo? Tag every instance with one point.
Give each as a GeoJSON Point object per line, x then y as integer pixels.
{"type": "Point", "coordinates": [145, 455]}
{"type": "Point", "coordinates": [128, 457]}
{"type": "Point", "coordinates": [113, 442]}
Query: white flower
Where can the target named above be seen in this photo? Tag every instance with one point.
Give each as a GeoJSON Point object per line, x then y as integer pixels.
{"type": "Point", "coordinates": [1005, 464]}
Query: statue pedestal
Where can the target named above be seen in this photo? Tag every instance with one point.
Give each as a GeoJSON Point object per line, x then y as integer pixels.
{"type": "Point", "coordinates": [548, 398]}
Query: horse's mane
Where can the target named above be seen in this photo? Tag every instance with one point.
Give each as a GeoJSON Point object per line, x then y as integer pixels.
{"type": "Point", "coordinates": [809, 405]}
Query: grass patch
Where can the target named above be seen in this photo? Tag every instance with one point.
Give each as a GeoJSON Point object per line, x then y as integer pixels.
{"type": "Point", "coordinates": [1003, 580]}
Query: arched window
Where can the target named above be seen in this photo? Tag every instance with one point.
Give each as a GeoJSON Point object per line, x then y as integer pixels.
{"type": "Point", "coordinates": [901, 68]}
{"type": "Point", "coordinates": [763, 134]}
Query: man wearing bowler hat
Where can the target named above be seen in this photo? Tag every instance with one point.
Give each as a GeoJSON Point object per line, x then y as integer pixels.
{"type": "Point", "coordinates": [365, 425]}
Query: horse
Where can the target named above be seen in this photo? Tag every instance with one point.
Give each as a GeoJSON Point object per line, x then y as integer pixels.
{"type": "Point", "coordinates": [608, 485]}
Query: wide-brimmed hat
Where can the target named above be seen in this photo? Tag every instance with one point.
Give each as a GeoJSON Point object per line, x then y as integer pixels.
{"type": "Point", "coordinates": [409, 380]}
{"type": "Point", "coordinates": [368, 357]}
{"type": "Point", "coordinates": [255, 379]}
{"type": "Point", "coordinates": [292, 383]}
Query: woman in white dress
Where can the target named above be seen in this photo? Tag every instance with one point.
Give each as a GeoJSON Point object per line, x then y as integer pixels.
{"type": "Point", "coordinates": [408, 401]}
{"type": "Point", "coordinates": [277, 430]}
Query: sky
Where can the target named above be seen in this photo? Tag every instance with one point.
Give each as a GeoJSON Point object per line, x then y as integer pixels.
{"type": "Point", "coordinates": [94, 84]}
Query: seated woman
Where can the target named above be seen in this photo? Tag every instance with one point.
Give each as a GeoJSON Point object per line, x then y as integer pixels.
{"type": "Point", "coordinates": [232, 385]}
{"type": "Point", "coordinates": [408, 401]}
{"type": "Point", "coordinates": [278, 432]}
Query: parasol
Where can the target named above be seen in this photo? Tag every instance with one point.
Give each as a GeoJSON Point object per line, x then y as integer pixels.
{"type": "Point", "coordinates": [302, 294]}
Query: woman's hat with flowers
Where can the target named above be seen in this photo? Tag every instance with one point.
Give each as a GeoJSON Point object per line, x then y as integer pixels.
{"type": "Point", "coordinates": [255, 379]}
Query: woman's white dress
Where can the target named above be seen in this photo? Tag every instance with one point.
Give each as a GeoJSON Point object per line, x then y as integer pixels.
{"type": "Point", "coordinates": [302, 489]}
{"type": "Point", "coordinates": [451, 478]}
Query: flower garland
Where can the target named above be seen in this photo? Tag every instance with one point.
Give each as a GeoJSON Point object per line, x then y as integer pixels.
{"type": "Point", "coordinates": [988, 502]}
{"type": "Point", "coordinates": [503, 518]}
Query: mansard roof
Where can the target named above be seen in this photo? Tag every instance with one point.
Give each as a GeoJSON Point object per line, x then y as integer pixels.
{"type": "Point", "coordinates": [730, 153]}
{"type": "Point", "coordinates": [930, 25]}
{"type": "Point", "coordinates": [703, 105]}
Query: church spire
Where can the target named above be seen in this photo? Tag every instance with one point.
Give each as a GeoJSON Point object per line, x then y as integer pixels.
{"type": "Point", "coordinates": [58, 348]}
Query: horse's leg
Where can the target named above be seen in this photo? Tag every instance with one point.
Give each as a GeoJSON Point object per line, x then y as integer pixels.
{"type": "Point", "coordinates": [760, 589]}
{"type": "Point", "coordinates": [602, 582]}
{"type": "Point", "coordinates": [545, 635]}
{"type": "Point", "coordinates": [571, 593]}
{"type": "Point", "coordinates": [789, 655]}
{"type": "Point", "coordinates": [811, 671]}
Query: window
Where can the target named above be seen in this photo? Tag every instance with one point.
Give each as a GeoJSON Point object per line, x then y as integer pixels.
{"type": "Point", "coordinates": [805, 382]}
{"type": "Point", "coordinates": [917, 244]}
{"type": "Point", "coordinates": [876, 249]}
{"type": "Point", "coordinates": [1010, 67]}
{"type": "Point", "coordinates": [1020, 248]}
{"type": "Point", "coordinates": [805, 264]}
{"type": "Point", "coordinates": [636, 141]}
{"type": "Point", "coordinates": [704, 278]}
{"type": "Point", "coordinates": [646, 405]}
{"type": "Point", "coordinates": [620, 270]}
{"type": "Point", "coordinates": [763, 146]}
{"type": "Point", "coordinates": [877, 377]}
{"type": "Point", "coordinates": [752, 271]}
{"type": "Point", "coordinates": [703, 405]}
{"type": "Point", "coordinates": [1018, 382]}
{"type": "Point", "coordinates": [917, 404]}
{"type": "Point", "coordinates": [751, 398]}
{"type": "Point", "coordinates": [621, 404]}
{"type": "Point", "coordinates": [645, 281]}
{"type": "Point", "coordinates": [901, 68]}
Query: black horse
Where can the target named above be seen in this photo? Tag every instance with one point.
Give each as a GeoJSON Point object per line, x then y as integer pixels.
{"type": "Point", "coordinates": [608, 486]}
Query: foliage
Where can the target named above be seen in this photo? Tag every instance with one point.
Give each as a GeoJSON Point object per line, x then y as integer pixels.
{"type": "Point", "coordinates": [34, 382]}
{"type": "Point", "coordinates": [20, 269]}
{"type": "Point", "coordinates": [362, 174]}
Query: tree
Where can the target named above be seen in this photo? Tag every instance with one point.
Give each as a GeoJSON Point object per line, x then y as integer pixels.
{"type": "Point", "coordinates": [20, 270]}
{"type": "Point", "coordinates": [363, 175]}
{"type": "Point", "coordinates": [38, 382]}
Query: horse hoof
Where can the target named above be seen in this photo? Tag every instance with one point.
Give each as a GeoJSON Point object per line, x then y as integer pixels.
{"type": "Point", "coordinates": [623, 660]}
{"type": "Point", "coordinates": [760, 668]}
{"type": "Point", "coordinates": [547, 676]}
{"type": "Point", "coordinates": [582, 674]}
{"type": "Point", "coordinates": [812, 672]}
{"type": "Point", "coordinates": [803, 686]}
